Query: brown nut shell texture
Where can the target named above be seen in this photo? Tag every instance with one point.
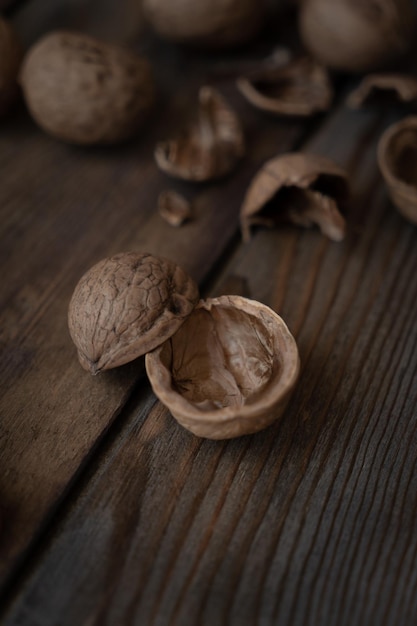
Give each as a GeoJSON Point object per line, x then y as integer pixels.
{"type": "Point", "coordinates": [174, 208]}
{"type": "Point", "coordinates": [208, 149]}
{"type": "Point", "coordinates": [228, 371]}
{"type": "Point", "coordinates": [10, 57]}
{"type": "Point", "coordinates": [397, 159]}
{"type": "Point", "coordinates": [356, 35]}
{"type": "Point", "coordinates": [380, 87]}
{"type": "Point", "coordinates": [125, 306]}
{"type": "Point", "coordinates": [84, 91]}
{"type": "Point", "coordinates": [206, 23]}
{"type": "Point", "coordinates": [301, 87]}
{"type": "Point", "coordinates": [299, 187]}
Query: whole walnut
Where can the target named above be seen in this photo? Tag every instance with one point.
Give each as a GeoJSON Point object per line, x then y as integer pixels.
{"type": "Point", "coordinates": [10, 56]}
{"type": "Point", "coordinates": [356, 35]}
{"type": "Point", "coordinates": [210, 23]}
{"type": "Point", "coordinates": [84, 91]}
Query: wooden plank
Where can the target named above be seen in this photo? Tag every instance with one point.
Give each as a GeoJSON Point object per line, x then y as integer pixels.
{"type": "Point", "coordinates": [309, 521]}
{"type": "Point", "coordinates": [63, 209]}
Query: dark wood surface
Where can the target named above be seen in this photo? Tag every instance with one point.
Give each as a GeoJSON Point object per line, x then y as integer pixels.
{"type": "Point", "coordinates": [111, 513]}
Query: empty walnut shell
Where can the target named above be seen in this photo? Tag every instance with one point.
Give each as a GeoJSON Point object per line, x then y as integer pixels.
{"type": "Point", "coordinates": [356, 35]}
{"type": "Point", "coordinates": [10, 57]}
{"type": "Point", "coordinates": [221, 24]}
{"type": "Point", "coordinates": [210, 148]}
{"type": "Point", "coordinates": [374, 87]}
{"type": "Point", "coordinates": [298, 187]}
{"type": "Point", "coordinates": [397, 158]}
{"type": "Point", "coordinates": [125, 306]}
{"type": "Point", "coordinates": [84, 91]}
{"type": "Point", "coordinates": [301, 87]}
{"type": "Point", "coordinates": [228, 371]}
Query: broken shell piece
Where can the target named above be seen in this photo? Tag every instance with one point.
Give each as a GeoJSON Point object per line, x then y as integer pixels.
{"type": "Point", "coordinates": [209, 149]}
{"type": "Point", "coordinates": [228, 371]}
{"type": "Point", "coordinates": [302, 188]}
{"type": "Point", "coordinates": [397, 159]}
{"type": "Point", "coordinates": [301, 87]}
{"type": "Point", "coordinates": [173, 207]}
{"type": "Point", "coordinates": [375, 86]}
{"type": "Point", "coordinates": [125, 306]}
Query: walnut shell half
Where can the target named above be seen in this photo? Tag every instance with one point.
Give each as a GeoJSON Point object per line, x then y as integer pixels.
{"type": "Point", "coordinates": [228, 371]}
{"type": "Point", "coordinates": [299, 187]}
{"type": "Point", "coordinates": [397, 159]}
{"type": "Point", "coordinates": [125, 306]}
{"type": "Point", "coordinates": [400, 87]}
{"type": "Point", "coordinates": [208, 149]}
{"type": "Point", "coordinates": [301, 87]}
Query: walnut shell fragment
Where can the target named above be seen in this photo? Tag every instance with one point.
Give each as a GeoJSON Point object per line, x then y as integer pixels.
{"type": "Point", "coordinates": [374, 87]}
{"type": "Point", "coordinates": [84, 91]}
{"type": "Point", "coordinates": [173, 207]}
{"type": "Point", "coordinates": [302, 188]}
{"type": "Point", "coordinates": [397, 159]}
{"type": "Point", "coordinates": [210, 148]}
{"type": "Point", "coordinates": [125, 306]}
{"type": "Point", "coordinates": [302, 87]}
{"type": "Point", "coordinates": [228, 371]}
{"type": "Point", "coordinates": [10, 57]}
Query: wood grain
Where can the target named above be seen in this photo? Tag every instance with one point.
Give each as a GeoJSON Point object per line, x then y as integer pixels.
{"type": "Point", "coordinates": [113, 514]}
{"type": "Point", "coordinates": [311, 521]}
{"type": "Point", "coordinates": [63, 209]}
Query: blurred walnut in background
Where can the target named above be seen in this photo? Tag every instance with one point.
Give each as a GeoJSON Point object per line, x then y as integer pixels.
{"type": "Point", "coordinates": [209, 23]}
{"type": "Point", "coordinates": [356, 35]}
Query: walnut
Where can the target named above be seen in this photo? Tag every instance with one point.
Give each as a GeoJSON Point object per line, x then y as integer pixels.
{"type": "Point", "coordinates": [205, 23]}
{"type": "Point", "coordinates": [224, 366]}
{"type": "Point", "coordinates": [356, 35]}
{"type": "Point", "coordinates": [173, 207]}
{"type": "Point", "coordinates": [397, 159]}
{"type": "Point", "coordinates": [301, 87]}
{"type": "Point", "coordinates": [377, 87]}
{"type": "Point", "coordinates": [84, 91]}
{"type": "Point", "coordinates": [208, 149]}
{"type": "Point", "coordinates": [10, 57]}
{"type": "Point", "coordinates": [126, 305]}
{"type": "Point", "coordinates": [228, 371]}
{"type": "Point", "coordinates": [302, 188]}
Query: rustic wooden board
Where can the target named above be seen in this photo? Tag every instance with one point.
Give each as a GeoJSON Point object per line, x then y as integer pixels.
{"type": "Point", "coordinates": [63, 209]}
{"type": "Point", "coordinates": [311, 521]}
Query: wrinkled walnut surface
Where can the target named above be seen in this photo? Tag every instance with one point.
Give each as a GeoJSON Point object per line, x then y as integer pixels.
{"type": "Point", "coordinates": [375, 86]}
{"type": "Point", "coordinates": [356, 35]}
{"type": "Point", "coordinates": [301, 87]}
{"type": "Point", "coordinates": [228, 371]}
{"type": "Point", "coordinates": [211, 23]}
{"type": "Point", "coordinates": [84, 91]}
{"type": "Point", "coordinates": [397, 158]}
{"type": "Point", "coordinates": [299, 187]}
{"type": "Point", "coordinates": [10, 56]}
{"type": "Point", "coordinates": [208, 149]}
{"type": "Point", "coordinates": [125, 306]}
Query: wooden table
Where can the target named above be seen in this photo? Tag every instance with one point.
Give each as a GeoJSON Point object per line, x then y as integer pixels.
{"type": "Point", "coordinates": [111, 513]}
